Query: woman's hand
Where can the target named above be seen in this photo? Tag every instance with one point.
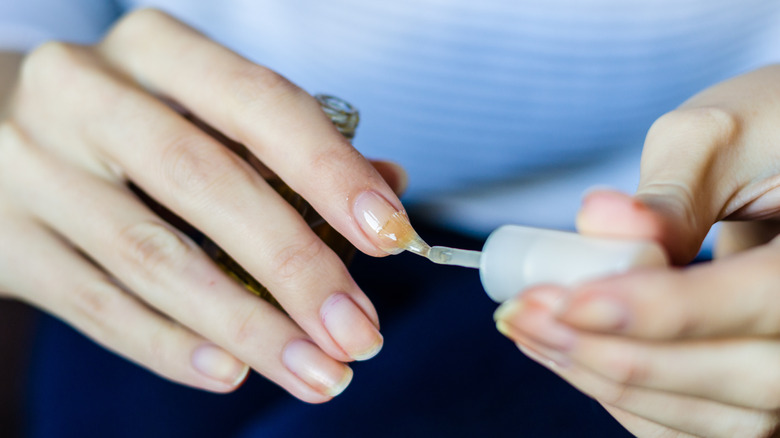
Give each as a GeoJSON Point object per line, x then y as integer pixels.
{"type": "Point", "coordinates": [76, 242]}
{"type": "Point", "coordinates": [691, 351]}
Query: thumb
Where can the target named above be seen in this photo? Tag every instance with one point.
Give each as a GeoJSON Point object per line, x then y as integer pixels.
{"type": "Point", "coordinates": [713, 158]}
{"type": "Point", "coordinates": [681, 190]}
{"type": "Point", "coordinates": [663, 216]}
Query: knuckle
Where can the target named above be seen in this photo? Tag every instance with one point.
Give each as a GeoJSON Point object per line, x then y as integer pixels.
{"type": "Point", "coordinates": [617, 395]}
{"type": "Point", "coordinates": [684, 326]}
{"type": "Point", "coordinates": [50, 53]}
{"type": "Point", "coordinates": [328, 164]}
{"type": "Point", "coordinates": [244, 327]}
{"type": "Point", "coordinates": [51, 60]}
{"type": "Point", "coordinates": [295, 259]}
{"type": "Point", "coordinates": [138, 23]}
{"type": "Point", "coordinates": [683, 313]}
{"type": "Point", "coordinates": [681, 322]}
{"type": "Point", "coordinates": [714, 125]}
{"type": "Point", "coordinates": [192, 164]}
{"type": "Point", "coordinates": [256, 90]}
{"type": "Point", "coordinates": [255, 83]}
{"type": "Point", "coordinates": [333, 160]}
{"type": "Point", "coordinates": [626, 367]}
{"type": "Point", "coordinates": [152, 246]}
{"type": "Point", "coordinates": [94, 304]}
{"type": "Point", "coordinates": [157, 349]}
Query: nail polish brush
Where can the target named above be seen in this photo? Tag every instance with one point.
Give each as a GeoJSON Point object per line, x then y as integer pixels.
{"type": "Point", "coordinates": [516, 257]}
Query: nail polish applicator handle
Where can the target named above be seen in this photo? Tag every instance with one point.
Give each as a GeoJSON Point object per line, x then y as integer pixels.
{"type": "Point", "coordinates": [516, 257]}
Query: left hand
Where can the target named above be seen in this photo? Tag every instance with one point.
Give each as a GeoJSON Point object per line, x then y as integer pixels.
{"type": "Point", "coordinates": [691, 351]}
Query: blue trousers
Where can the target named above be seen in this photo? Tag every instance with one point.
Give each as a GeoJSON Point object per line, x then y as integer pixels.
{"type": "Point", "coordinates": [444, 372]}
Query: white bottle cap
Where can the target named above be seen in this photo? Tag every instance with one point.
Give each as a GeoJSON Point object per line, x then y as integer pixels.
{"type": "Point", "coordinates": [515, 258]}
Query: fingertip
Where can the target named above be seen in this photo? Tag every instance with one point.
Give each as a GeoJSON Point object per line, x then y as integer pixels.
{"type": "Point", "coordinates": [610, 213]}
{"type": "Point", "coordinates": [222, 388]}
{"type": "Point", "coordinates": [320, 377]}
{"type": "Point", "coordinates": [350, 328]}
{"type": "Point", "coordinates": [613, 213]}
{"type": "Point", "coordinates": [385, 224]}
{"type": "Point", "coordinates": [310, 396]}
{"type": "Point", "coordinates": [241, 378]}
{"type": "Point", "coordinates": [316, 400]}
{"type": "Point", "coordinates": [223, 371]}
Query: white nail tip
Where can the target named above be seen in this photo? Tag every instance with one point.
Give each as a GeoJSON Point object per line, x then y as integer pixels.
{"type": "Point", "coordinates": [370, 353]}
{"type": "Point", "coordinates": [241, 376]}
{"type": "Point", "coordinates": [337, 389]}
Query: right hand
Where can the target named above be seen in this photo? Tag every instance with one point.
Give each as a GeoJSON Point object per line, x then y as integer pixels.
{"type": "Point", "coordinates": [76, 242]}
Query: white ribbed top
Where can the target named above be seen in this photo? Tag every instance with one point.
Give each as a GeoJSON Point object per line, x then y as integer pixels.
{"type": "Point", "coordinates": [484, 102]}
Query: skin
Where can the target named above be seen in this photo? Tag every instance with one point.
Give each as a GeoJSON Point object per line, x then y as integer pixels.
{"type": "Point", "coordinates": [82, 121]}
{"type": "Point", "coordinates": [681, 351]}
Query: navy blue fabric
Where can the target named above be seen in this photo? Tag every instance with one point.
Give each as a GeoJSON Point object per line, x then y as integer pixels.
{"type": "Point", "coordinates": [444, 371]}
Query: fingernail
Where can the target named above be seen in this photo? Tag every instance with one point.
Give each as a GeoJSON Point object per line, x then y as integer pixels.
{"type": "Point", "coordinates": [318, 370]}
{"type": "Point", "coordinates": [386, 226]}
{"type": "Point", "coordinates": [549, 358]}
{"type": "Point", "coordinates": [508, 310]}
{"type": "Point", "coordinates": [536, 323]}
{"type": "Point", "coordinates": [350, 327]}
{"type": "Point", "coordinates": [506, 329]}
{"type": "Point", "coordinates": [596, 313]}
{"type": "Point", "coordinates": [217, 364]}
{"type": "Point", "coordinates": [550, 297]}
{"type": "Point", "coordinates": [597, 188]}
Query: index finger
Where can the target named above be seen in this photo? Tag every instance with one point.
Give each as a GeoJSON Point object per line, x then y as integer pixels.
{"type": "Point", "coordinates": [277, 121]}
{"type": "Point", "coordinates": [739, 295]}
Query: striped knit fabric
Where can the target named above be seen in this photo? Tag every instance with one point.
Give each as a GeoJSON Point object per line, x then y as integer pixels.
{"type": "Point", "coordinates": [502, 111]}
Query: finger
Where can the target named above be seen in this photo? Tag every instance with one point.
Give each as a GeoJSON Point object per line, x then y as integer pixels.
{"type": "Point", "coordinates": [736, 236]}
{"type": "Point", "coordinates": [730, 371]}
{"type": "Point", "coordinates": [677, 200]}
{"type": "Point", "coordinates": [728, 297]}
{"type": "Point", "coordinates": [703, 162]}
{"type": "Point", "coordinates": [169, 272]}
{"type": "Point", "coordinates": [689, 415]}
{"type": "Point", "coordinates": [45, 272]}
{"type": "Point", "coordinates": [280, 123]}
{"type": "Point", "coordinates": [210, 187]}
{"type": "Point", "coordinates": [735, 371]}
{"type": "Point", "coordinates": [665, 217]}
{"type": "Point", "coordinates": [639, 426]}
{"type": "Point", "coordinates": [635, 424]}
{"type": "Point", "coordinates": [710, 369]}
